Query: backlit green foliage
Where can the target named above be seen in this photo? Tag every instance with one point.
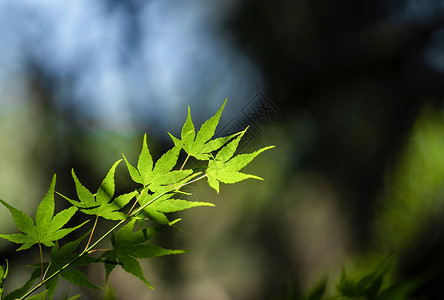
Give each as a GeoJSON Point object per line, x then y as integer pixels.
{"type": "Point", "coordinates": [158, 193]}
{"type": "Point", "coordinates": [47, 227]}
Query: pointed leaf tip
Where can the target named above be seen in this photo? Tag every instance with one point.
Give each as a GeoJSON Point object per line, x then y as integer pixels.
{"type": "Point", "coordinates": [45, 210]}
{"type": "Point", "coordinates": [195, 144]}
{"type": "Point", "coordinates": [107, 187]}
{"type": "Point", "coordinates": [134, 173]}
{"type": "Point", "coordinates": [145, 162]}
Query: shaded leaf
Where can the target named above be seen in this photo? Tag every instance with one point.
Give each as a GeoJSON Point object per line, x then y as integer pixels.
{"type": "Point", "coordinates": [128, 246]}
{"type": "Point", "coordinates": [318, 292]}
{"type": "Point", "coordinates": [64, 255]}
{"type": "Point", "coordinates": [110, 263]}
{"type": "Point", "coordinates": [132, 266]}
{"type": "Point", "coordinates": [39, 296]}
{"type": "Point", "coordinates": [73, 275]}
{"type": "Point", "coordinates": [72, 298]}
{"type": "Point", "coordinates": [35, 275]}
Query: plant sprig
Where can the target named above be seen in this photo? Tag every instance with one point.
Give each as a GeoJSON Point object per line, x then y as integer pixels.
{"type": "Point", "coordinates": [158, 194]}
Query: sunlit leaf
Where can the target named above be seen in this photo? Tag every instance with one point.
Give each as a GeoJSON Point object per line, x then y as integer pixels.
{"type": "Point", "coordinates": [225, 168]}
{"type": "Point", "coordinates": [199, 145]}
{"type": "Point", "coordinates": [158, 175]}
{"type": "Point", "coordinates": [100, 204]}
{"type": "Point", "coordinates": [145, 162]}
{"type": "Point", "coordinates": [47, 228]}
{"type": "Point", "coordinates": [173, 205]}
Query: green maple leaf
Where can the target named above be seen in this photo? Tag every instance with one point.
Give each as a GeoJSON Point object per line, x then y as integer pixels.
{"type": "Point", "coordinates": [225, 168]}
{"type": "Point", "coordinates": [200, 146]}
{"type": "Point", "coordinates": [47, 227]}
{"type": "Point", "coordinates": [160, 175]}
{"type": "Point", "coordinates": [99, 204]}
{"type": "Point", "coordinates": [129, 246]}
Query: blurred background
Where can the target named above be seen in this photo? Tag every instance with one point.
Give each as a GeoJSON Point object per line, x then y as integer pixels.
{"type": "Point", "coordinates": [350, 93]}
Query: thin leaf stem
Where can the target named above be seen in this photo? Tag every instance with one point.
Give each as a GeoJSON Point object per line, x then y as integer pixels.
{"type": "Point", "coordinates": [41, 262]}
{"type": "Point", "coordinates": [92, 231]}
{"type": "Point", "coordinates": [137, 200]}
{"type": "Point", "coordinates": [183, 165]}
{"type": "Point", "coordinates": [88, 250]}
{"type": "Point", "coordinates": [95, 250]}
{"type": "Point", "coordinates": [47, 269]}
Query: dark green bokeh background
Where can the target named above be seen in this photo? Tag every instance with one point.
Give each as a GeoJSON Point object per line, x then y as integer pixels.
{"type": "Point", "coordinates": [358, 167]}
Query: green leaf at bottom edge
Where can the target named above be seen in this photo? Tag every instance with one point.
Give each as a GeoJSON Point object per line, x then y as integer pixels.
{"type": "Point", "coordinates": [132, 266]}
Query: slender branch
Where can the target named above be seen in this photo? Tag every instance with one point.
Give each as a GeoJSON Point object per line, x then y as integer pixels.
{"type": "Point", "coordinates": [92, 231]}
{"type": "Point", "coordinates": [88, 250]}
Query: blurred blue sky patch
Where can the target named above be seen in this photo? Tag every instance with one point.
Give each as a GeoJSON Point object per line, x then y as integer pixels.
{"type": "Point", "coordinates": [122, 63]}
